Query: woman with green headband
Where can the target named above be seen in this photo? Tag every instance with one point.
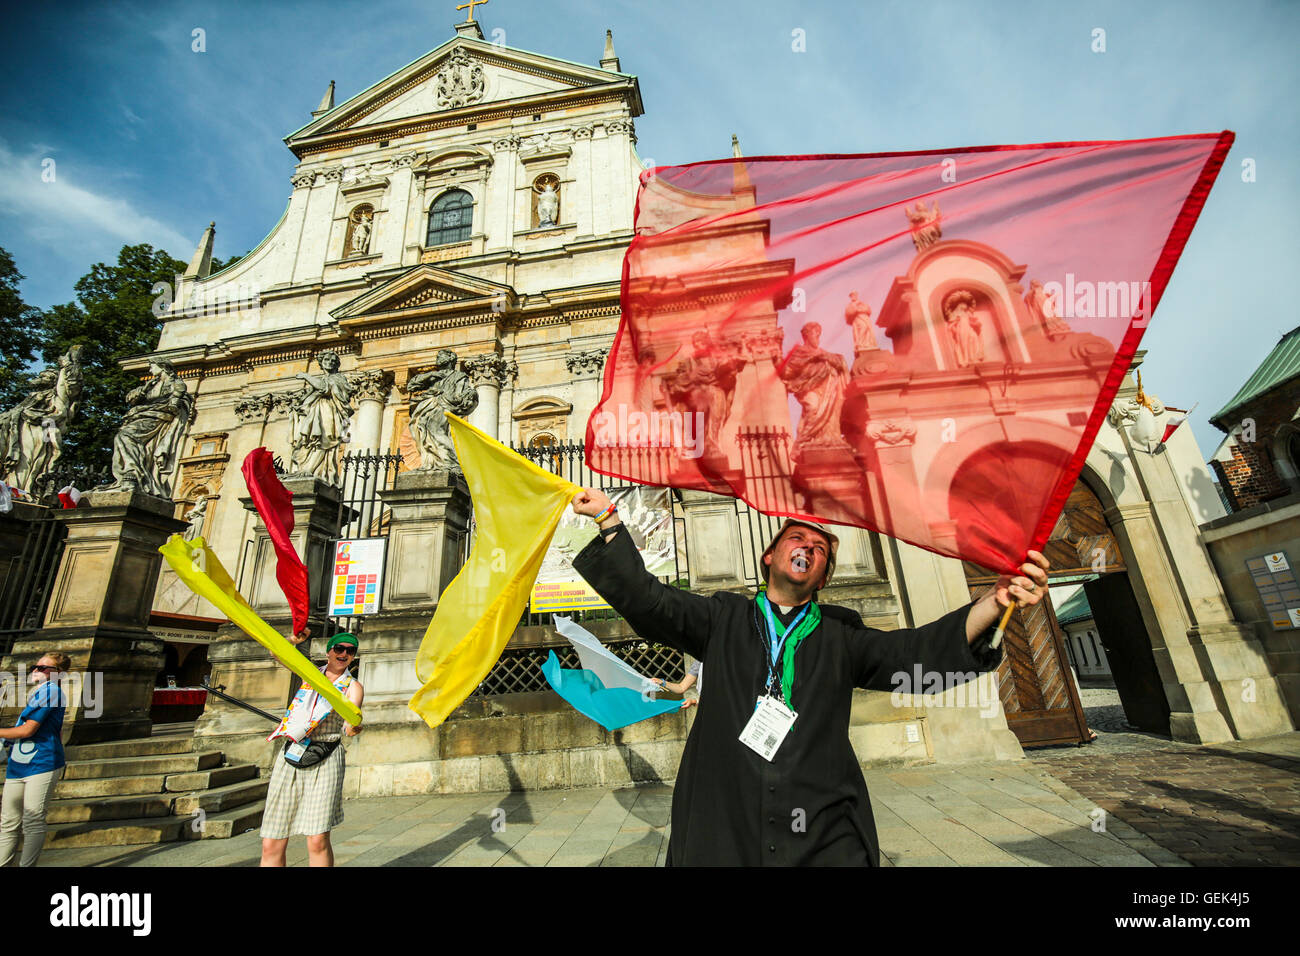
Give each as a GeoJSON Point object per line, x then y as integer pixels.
{"type": "Point", "coordinates": [306, 790]}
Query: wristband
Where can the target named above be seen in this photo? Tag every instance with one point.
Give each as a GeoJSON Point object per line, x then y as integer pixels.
{"type": "Point", "coordinates": [605, 514]}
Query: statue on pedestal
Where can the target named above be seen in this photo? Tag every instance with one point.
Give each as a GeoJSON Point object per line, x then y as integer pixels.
{"type": "Point", "coordinates": [146, 446]}
{"type": "Point", "coordinates": [31, 433]}
{"type": "Point", "coordinates": [196, 516]}
{"type": "Point", "coordinates": [318, 421]}
{"type": "Point", "coordinates": [444, 388]}
{"type": "Point", "coordinates": [1042, 307]}
{"type": "Point", "coordinates": [817, 379]}
{"type": "Point", "coordinates": [706, 384]}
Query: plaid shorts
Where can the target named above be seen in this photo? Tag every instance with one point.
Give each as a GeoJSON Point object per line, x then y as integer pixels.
{"type": "Point", "coordinates": [307, 801]}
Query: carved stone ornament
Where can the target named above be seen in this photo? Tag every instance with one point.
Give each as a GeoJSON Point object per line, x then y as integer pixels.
{"type": "Point", "coordinates": [402, 160]}
{"type": "Point", "coordinates": [334, 174]}
{"type": "Point", "coordinates": [461, 82]}
{"type": "Point", "coordinates": [925, 224]}
{"type": "Point", "coordinates": [506, 143]}
{"type": "Point", "coordinates": [891, 433]}
{"type": "Point", "coordinates": [255, 408]}
{"type": "Point", "coordinates": [1124, 411]}
{"type": "Point", "coordinates": [621, 126]}
{"type": "Point", "coordinates": [487, 370]}
{"type": "Point", "coordinates": [300, 180]}
{"type": "Point", "coordinates": [583, 132]}
{"type": "Point", "coordinates": [585, 364]}
{"type": "Point", "coordinates": [372, 385]}
{"type": "Point", "coordinates": [766, 344]}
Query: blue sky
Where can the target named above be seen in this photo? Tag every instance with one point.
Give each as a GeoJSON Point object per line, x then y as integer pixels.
{"type": "Point", "coordinates": [151, 140]}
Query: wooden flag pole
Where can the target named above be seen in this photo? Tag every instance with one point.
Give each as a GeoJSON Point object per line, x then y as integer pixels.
{"type": "Point", "coordinates": [1002, 624]}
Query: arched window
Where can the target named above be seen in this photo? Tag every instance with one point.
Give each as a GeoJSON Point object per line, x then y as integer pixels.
{"type": "Point", "coordinates": [450, 218]}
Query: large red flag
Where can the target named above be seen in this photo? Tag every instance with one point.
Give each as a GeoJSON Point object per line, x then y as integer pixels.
{"type": "Point", "coordinates": [274, 506]}
{"type": "Point", "coordinates": [924, 344]}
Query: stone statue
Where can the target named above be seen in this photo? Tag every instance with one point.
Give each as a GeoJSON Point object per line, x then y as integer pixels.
{"type": "Point", "coordinates": [1042, 308]}
{"type": "Point", "coordinates": [361, 235]}
{"type": "Point", "coordinates": [817, 379]}
{"type": "Point", "coordinates": [858, 315]}
{"type": "Point", "coordinates": [925, 224]}
{"type": "Point", "coordinates": [196, 517]}
{"type": "Point", "coordinates": [31, 433]}
{"type": "Point", "coordinates": [147, 445]}
{"type": "Point", "coordinates": [548, 206]}
{"type": "Point", "coordinates": [318, 421]}
{"type": "Point", "coordinates": [964, 327]}
{"type": "Point", "coordinates": [706, 383]}
{"type": "Point", "coordinates": [444, 388]}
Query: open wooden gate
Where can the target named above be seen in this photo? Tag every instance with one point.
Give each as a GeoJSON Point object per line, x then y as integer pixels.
{"type": "Point", "coordinates": [1038, 696]}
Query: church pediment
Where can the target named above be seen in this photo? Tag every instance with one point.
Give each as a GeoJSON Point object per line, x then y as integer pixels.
{"type": "Point", "coordinates": [466, 76]}
{"type": "Point", "coordinates": [428, 286]}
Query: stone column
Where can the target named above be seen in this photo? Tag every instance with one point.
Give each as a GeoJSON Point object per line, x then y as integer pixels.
{"type": "Point", "coordinates": [585, 369]}
{"type": "Point", "coordinates": [243, 665]}
{"type": "Point", "coordinates": [429, 523]}
{"type": "Point", "coordinates": [488, 374]}
{"type": "Point", "coordinates": [99, 613]}
{"type": "Point", "coordinates": [371, 389]}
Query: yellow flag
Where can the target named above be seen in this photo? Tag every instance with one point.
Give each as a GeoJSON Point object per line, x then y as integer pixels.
{"type": "Point", "coordinates": [516, 509]}
{"type": "Point", "coordinates": [196, 565]}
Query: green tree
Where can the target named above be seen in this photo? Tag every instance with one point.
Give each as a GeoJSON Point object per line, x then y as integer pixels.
{"type": "Point", "coordinates": [19, 333]}
{"type": "Point", "coordinates": [114, 319]}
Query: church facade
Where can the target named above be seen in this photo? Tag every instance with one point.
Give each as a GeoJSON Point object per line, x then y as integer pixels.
{"type": "Point", "coordinates": [481, 200]}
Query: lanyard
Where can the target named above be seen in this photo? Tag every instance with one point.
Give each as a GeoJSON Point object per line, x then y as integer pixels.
{"type": "Point", "coordinates": [803, 625]}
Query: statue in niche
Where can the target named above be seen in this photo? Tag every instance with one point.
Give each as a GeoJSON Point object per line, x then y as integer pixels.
{"type": "Point", "coordinates": [444, 388]}
{"type": "Point", "coordinates": [925, 224]}
{"type": "Point", "coordinates": [706, 383]}
{"type": "Point", "coordinates": [147, 445]}
{"type": "Point", "coordinates": [31, 433]}
{"type": "Point", "coordinates": [857, 314]}
{"type": "Point", "coordinates": [361, 226]}
{"type": "Point", "coordinates": [816, 378]}
{"type": "Point", "coordinates": [196, 516]}
{"type": "Point", "coordinates": [1042, 307]}
{"type": "Point", "coordinates": [318, 421]}
{"type": "Point", "coordinates": [548, 203]}
{"type": "Point", "coordinates": [964, 328]}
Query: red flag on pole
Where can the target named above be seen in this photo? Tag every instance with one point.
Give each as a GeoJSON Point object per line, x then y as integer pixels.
{"type": "Point", "coordinates": [924, 344]}
{"type": "Point", "coordinates": [274, 506]}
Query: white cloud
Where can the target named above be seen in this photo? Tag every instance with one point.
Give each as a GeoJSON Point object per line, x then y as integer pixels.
{"type": "Point", "coordinates": [68, 213]}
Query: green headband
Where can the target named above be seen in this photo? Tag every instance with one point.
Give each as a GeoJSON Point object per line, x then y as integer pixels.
{"type": "Point", "coordinates": [343, 637]}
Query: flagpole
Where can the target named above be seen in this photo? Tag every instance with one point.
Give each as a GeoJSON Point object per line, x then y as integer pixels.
{"type": "Point", "coordinates": [1002, 624]}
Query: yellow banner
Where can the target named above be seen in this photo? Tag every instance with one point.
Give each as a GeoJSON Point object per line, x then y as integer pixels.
{"type": "Point", "coordinates": [516, 508]}
{"type": "Point", "coordinates": [196, 565]}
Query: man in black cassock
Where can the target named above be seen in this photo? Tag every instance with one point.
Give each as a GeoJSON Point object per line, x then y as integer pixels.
{"type": "Point", "coordinates": [805, 802]}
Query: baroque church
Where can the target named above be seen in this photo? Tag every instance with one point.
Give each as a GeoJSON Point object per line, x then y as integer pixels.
{"type": "Point", "coordinates": [481, 200]}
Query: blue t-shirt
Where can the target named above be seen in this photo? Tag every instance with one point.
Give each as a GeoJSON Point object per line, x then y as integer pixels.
{"type": "Point", "coordinates": [43, 750]}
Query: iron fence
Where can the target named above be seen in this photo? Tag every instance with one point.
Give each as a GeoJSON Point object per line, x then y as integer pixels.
{"type": "Point", "coordinates": [29, 579]}
{"type": "Point", "coordinates": [363, 476]}
{"type": "Point", "coordinates": [519, 670]}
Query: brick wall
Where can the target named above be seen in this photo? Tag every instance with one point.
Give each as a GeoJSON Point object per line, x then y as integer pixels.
{"type": "Point", "coordinates": [1251, 476]}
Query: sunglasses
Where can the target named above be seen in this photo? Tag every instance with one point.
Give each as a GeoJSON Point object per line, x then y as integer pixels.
{"type": "Point", "coordinates": [343, 649]}
{"type": "Point", "coordinates": [45, 668]}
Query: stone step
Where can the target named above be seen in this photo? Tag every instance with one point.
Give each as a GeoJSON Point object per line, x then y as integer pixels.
{"type": "Point", "coordinates": [141, 747]}
{"type": "Point", "coordinates": [227, 823]}
{"type": "Point", "coordinates": [143, 766]}
{"type": "Point", "coordinates": [115, 832]}
{"type": "Point", "coordinates": [209, 779]}
{"type": "Point", "coordinates": [112, 786]}
{"type": "Point", "coordinates": [219, 799]}
{"type": "Point", "coordinates": [94, 809]}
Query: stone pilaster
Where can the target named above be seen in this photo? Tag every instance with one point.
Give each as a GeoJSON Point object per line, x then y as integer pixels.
{"type": "Point", "coordinates": [585, 369]}
{"type": "Point", "coordinates": [370, 389]}
{"type": "Point", "coordinates": [99, 612]}
{"type": "Point", "coordinates": [488, 373]}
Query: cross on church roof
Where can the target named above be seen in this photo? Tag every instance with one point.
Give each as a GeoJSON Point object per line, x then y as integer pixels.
{"type": "Point", "coordinates": [471, 5]}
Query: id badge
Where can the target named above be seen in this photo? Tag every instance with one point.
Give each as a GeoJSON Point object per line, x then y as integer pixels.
{"type": "Point", "coordinates": [295, 750]}
{"type": "Point", "coordinates": [767, 727]}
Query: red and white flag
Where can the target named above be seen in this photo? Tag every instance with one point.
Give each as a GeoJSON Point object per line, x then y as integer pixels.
{"type": "Point", "coordinates": [1175, 422]}
{"type": "Point", "coordinates": [924, 344]}
{"type": "Point", "coordinates": [69, 497]}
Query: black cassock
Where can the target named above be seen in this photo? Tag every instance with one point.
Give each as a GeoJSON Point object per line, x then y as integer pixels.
{"type": "Point", "coordinates": [809, 805]}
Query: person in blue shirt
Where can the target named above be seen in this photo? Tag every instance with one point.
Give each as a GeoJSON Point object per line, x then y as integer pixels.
{"type": "Point", "coordinates": [35, 761]}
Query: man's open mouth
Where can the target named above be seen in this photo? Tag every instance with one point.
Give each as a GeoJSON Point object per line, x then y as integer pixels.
{"type": "Point", "coordinates": [799, 561]}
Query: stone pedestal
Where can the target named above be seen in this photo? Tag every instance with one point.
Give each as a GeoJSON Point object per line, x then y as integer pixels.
{"type": "Point", "coordinates": [99, 613]}
{"type": "Point", "coordinates": [429, 523]}
{"type": "Point", "coordinates": [243, 665]}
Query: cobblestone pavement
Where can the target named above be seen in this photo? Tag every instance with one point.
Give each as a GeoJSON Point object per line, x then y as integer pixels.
{"type": "Point", "coordinates": [1231, 804]}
